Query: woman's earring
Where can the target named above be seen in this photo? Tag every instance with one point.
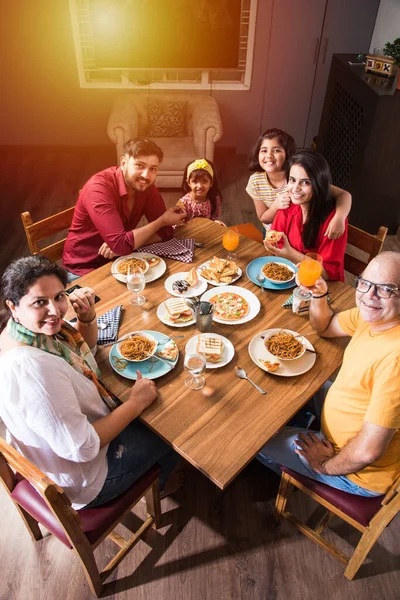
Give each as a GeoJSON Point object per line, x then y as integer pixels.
{"type": "Point", "coordinates": [16, 320]}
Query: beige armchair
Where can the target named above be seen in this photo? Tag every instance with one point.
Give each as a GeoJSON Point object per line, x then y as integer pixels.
{"type": "Point", "coordinates": [201, 122]}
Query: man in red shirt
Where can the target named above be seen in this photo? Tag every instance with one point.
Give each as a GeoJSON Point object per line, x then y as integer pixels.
{"type": "Point", "coordinates": [111, 204]}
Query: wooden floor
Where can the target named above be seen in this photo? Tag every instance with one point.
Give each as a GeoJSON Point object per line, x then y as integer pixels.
{"type": "Point", "coordinates": [213, 545]}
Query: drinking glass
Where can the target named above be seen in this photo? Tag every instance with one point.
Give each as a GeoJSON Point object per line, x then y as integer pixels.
{"type": "Point", "coordinates": [310, 270]}
{"type": "Point", "coordinates": [195, 364]}
{"type": "Point", "coordinates": [230, 242]}
{"type": "Point", "coordinates": [136, 282]}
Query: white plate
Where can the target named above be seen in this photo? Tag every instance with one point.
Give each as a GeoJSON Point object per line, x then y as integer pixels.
{"type": "Point", "coordinates": [210, 281]}
{"type": "Point", "coordinates": [287, 368]}
{"type": "Point", "coordinates": [152, 274]}
{"type": "Point", "coordinates": [253, 301]}
{"type": "Point", "coordinates": [194, 290]}
{"type": "Point", "coordinates": [227, 353]}
{"type": "Point", "coordinates": [162, 315]}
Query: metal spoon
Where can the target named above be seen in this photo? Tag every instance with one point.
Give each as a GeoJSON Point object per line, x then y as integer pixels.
{"type": "Point", "coordinates": [242, 374]}
{"type": "Point", "coordinates": [102, 326]}
{"type": "Point", "coordinates": [260, 278]}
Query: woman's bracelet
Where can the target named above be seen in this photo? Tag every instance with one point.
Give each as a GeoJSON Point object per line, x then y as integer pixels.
{"type": "Point", "coordinates": [87, 323]}
{"type": "Point", "coordinates": [323, 295]}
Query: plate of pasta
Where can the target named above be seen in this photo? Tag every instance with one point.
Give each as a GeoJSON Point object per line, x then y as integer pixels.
{"type": "Point", "coordinates": [150, 367]}
{"type": "Point", "coordinates": [259, 265]}
{"type": "Point", "coordinates": [278, 273]}
{"type": "Point", "coordinates": [156, 266]}
{"type": "Point", "coordinates": [282, 352]}
{"type": "Point", "coordinates": [137, 346]}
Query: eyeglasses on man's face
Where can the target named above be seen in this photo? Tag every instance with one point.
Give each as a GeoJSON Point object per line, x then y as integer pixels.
{"type": "Point", "coordinates": [382, 290]}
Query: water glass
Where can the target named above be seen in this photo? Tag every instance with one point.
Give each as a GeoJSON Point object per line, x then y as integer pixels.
{"type": "Point", "coordinates": [136, 282]}
{"type": "Point", "coordinates": [195, 364]}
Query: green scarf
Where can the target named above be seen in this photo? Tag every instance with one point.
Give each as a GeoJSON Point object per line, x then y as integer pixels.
{"type": "Point", "coordinates": [69, 345]}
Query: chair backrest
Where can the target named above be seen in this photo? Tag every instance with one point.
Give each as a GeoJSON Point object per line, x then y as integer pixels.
{"type": "Point", "coordinates": [54, 496]}
{"type": "Point", "coordinates": [46, 228]}
{"type": "Point", "coordinates": [368, 243]}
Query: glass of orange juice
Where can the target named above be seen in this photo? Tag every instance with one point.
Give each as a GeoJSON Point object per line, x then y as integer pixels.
{"type": "Point", "coordinates": [230, 242]}
{"type": "Point", "coordinates": [310, 269]}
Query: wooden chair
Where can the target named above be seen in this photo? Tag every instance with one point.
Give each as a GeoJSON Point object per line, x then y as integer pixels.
{"type": "Point", "coordinates": [41, 230]}
{"type": "Point", "coordinates": [368, 243]}
{"type": "Point", "coordinates": [368, 515]}
{"type": "Point", "coordinates": [40, 500]}
{"type": "Point", "coordinates": [248, 230]}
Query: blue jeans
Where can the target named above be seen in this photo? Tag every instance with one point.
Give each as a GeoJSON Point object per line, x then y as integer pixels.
{"type": "Point", "coordinates": [72, 276]}
{"type": "Point", "coordinates": [129, 456]}
{"type": "Point", "coordinates": [280, 450]}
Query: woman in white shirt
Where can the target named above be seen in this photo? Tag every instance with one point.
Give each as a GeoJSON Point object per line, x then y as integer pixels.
{"type": "Point", "coordinates": [57, 412]}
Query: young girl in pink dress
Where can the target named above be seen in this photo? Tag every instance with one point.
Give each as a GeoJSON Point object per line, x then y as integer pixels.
{"type": "Point", "coordinates": [202, 197]}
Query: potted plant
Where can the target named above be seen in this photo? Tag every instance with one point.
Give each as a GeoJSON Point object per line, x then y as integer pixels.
{"type": "Point", "coordinates": [393, 50]}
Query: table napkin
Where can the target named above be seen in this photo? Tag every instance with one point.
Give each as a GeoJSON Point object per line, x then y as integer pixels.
{"type": "Point", "coordinates": [112, 317]}
{"type": "Point", "coordinates": [182, 249]}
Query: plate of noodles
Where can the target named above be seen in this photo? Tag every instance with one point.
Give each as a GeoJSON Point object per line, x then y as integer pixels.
{"type": "Point", "coordinates": [284, 355]}
{"type": "Point", "coordinates": [137, 346]}
{"type": "Point", "coordinates": [256, 266]}
{"type": "Point", "coordinates": [278, 273]}
{"type": "Point", "coordinates": [155, 269]}
{"type": "Point", "coordinates": [150, 367]}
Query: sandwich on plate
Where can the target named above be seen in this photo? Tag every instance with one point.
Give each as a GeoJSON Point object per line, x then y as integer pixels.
{"type": "Point", "coordinates": [177, 311]}
{"type": "Point", "coordinates": [211, 347]}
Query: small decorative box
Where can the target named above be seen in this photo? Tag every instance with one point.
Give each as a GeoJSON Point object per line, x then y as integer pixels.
{"type": "Point", "coordinates": [383, 65]}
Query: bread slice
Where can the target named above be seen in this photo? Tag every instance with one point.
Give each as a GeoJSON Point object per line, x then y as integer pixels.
{"type": "Point", "coordinates": [178, 310]}
{"type": "Point", "coordinates": [219, 264]}
{"type": "Point", "coordinates": [192, 277]}
{"type": "Point", "coordinates": [211, 347]}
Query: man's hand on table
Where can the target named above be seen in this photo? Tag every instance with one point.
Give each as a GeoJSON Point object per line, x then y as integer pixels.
{"type": "Point", "coordinates": [143, 393]}
{"type": "Point", "coordinates": [315, 451]}
{"type": "Point", "coordinates": [106, 251]}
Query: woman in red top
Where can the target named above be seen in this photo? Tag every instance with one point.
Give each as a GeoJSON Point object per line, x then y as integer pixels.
{"type": "Point", "coordinates": [305, 222]}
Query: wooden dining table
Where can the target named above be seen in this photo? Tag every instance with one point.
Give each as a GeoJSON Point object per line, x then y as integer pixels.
{"type": "Point", "coordinates": [220, 428]}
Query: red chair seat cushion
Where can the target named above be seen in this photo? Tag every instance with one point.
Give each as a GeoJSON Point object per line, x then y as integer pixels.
{"type": "Point", "coordinates": [95, 521]}
{"type": "Point", "coordinates": [359, 508]}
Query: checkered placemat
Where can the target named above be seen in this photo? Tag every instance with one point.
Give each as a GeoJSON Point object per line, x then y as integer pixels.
{"type": "Point", "coordinates": [182, 249]}
{"type": "Point", "coordinates": [111, 318]}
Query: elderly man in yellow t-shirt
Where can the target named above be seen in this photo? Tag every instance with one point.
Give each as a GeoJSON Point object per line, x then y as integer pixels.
{"type": "Point", "coordinates": [358, 449]}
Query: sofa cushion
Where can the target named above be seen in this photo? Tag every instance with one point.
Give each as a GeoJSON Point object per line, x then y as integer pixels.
{"type": "Point", "coordinates": [166, 118]}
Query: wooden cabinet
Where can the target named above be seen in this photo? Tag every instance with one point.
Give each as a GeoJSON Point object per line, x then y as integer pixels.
{"type": "Point", "coordinates": [304, 36]}
{"type": "Point", "coordinates": [359, 136]}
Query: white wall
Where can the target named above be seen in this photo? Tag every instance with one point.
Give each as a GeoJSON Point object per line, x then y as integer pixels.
{"type": "Point", "coordinates": [387, 26]}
